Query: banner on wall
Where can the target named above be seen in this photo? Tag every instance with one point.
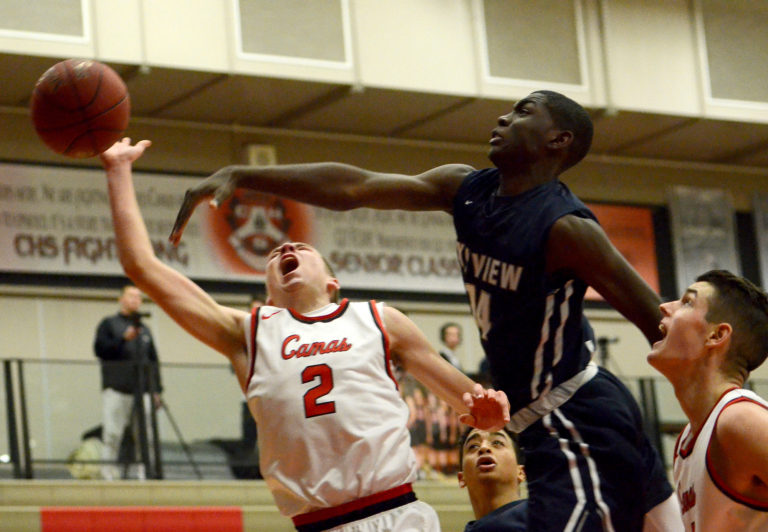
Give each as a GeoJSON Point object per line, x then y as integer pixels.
{"type": "Point", "coordinates": [760, 209]}
{"type": "Point", "coordinates": [703, 232]}
{"type": "Point", "coordinates": [57, 220]}
{"type": "Point", "coordinates": [630, 229]}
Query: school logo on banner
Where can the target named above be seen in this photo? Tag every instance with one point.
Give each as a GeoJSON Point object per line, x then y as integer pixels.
{"type": "Point", "coordinates": [246, 227]}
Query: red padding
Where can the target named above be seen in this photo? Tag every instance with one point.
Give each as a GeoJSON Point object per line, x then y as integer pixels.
{"type": "Point", "coordinates": [141, 519]}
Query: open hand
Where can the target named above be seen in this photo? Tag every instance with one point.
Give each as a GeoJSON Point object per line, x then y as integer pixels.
{"type": "Point", "coordinates": [122, 152]}
{"type": "Point", "coordinates": [217, 188]}
{"type": "Point", "coordinates": [488, 409]}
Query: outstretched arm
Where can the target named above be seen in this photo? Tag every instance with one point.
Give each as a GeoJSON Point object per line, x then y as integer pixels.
{"type": "Point", "coordinates": [481, 408]}
{"type": "Point", "coordinates": [334, 186]}
{"type": "Point", "coordinates": [579, 247]}
{"type": "Point", "coordinates": [219, 327]}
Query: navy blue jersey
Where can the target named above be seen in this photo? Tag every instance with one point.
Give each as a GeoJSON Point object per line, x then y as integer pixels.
{"type": "Point", "coordinates": [531, 324]}
{"type": "Point", "coordinates": [508, 518]}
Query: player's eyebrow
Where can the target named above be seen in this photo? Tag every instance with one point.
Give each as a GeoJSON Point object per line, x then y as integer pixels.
{"type": "Point", "coordinates": [522, 103]}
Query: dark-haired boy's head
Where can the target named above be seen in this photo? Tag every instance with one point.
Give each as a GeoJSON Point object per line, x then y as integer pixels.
{"type": "Point", "coordinates": [568, 115]}
{"type": "Point", "coordinates": [744, 306]}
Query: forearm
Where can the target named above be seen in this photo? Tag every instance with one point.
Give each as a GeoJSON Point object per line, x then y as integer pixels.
{"type": "Point", "coordinates": [330, 185]}
{"type": "Point", "coordinates": [442, 379]}
{"type": "Point", "coordinates": [131, 236]}
{"type": "Point", "coordinates": [338, 186]}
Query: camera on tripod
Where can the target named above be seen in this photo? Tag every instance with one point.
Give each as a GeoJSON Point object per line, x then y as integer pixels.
{"type": "Point", "coordinates": [135, 318]}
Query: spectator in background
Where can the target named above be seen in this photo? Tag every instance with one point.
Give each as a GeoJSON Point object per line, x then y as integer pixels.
{"type": "Point", "coordinates": [129, 374]}
{"type": "Point", "coordinates": [450, 336]}
{"type": "Point", "coordinates": [491, 472]}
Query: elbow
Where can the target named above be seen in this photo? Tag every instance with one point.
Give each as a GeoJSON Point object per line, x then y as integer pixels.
{"type": "Point", "coordinates": [136, 269]}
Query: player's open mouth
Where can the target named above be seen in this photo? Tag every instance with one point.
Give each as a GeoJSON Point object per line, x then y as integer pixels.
{"type": "Point", "coordinates": [486, 463]}
{"type": "Point", "coordinates": [663, 330]}
{"type": "Point", "coordinates": [288, 264]}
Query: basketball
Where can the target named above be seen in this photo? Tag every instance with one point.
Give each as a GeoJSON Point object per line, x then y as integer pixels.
{"type": "Point", "coordinates": [80, 107]}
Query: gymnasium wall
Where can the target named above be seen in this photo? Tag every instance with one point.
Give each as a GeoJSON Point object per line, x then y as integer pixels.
{"type": "Point", "coordinates": [639, 56]}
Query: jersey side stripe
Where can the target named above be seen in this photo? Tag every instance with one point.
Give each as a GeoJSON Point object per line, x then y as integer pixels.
{"type": "Point", "coordinates": [385, 341]}
{"type": "Point", "coordinates": [538, 362]}
{"type": "Point", "coordinates": [593, 474]}
{"type": "Point", "coordinates": [252, 358]}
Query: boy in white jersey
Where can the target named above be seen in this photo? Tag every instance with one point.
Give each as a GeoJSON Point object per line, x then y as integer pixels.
{"type": "Point", "coordinates": [335, 449]}
{"type": "Point", "coordinates": [713, 337]}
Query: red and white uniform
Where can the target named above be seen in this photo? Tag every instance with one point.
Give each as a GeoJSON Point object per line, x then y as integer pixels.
{"type": "Point", "coordinates": [707, 504]}
{"type": "Point", "coordinates": [331, 421]}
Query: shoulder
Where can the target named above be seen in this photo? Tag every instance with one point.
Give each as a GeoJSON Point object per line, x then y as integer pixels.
{"type": "Point", "coordinates": [742, 419]}
{"type": "Point", "coordinates": [575, 228]}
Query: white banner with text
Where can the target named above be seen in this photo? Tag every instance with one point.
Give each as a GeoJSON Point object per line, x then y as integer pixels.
{"type": "Point", "coordinates": [57, 221]}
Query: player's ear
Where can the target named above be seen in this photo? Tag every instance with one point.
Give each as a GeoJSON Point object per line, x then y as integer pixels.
{"type": "Point", "coordinates": [560, 139]}
{"type": "Point", "coordinates": [720, 335]}
{"type": "Point", "coordinates": [460, 476]}
{"type": "Point", "coordinates": [332, 287]}
{"type": "Point", "coordinates": [521, 474]}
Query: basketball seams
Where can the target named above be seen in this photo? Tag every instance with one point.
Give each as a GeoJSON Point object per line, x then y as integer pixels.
{"type": "Point", "coordinates": [80, 107]}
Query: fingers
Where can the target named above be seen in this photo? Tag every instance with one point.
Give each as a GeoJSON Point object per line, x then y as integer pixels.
{"type": "Point", "coordinates": [181, 220]}
{"type": "Point", "coordinates": [466, 397]}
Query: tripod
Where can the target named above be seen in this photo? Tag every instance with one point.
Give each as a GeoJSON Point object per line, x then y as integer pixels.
{"type": "Point", "coordinates": [184, 445]}
{"type": "Point", "coordinates": [139, 415]}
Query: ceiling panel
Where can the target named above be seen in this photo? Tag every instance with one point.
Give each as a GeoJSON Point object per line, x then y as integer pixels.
{"type": "Point", "coordinates": [702, 140]}
{"type": "Point", "coordinates": [20, 73]}
{"type": "Point", "coordinates": [373, 112]}
{"type": "Point", "coordinates": [210, 97]}
{"type": "Point", "coordinates": [159, 88]}
{"type": "Point", "coordinates": [470, 122]}
{"type": "Point", "coordinates": [246, 100]}
{"type": "Point", "coordinates": [626, 128]}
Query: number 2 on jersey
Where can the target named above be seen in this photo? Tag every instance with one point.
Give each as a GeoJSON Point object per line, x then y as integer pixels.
{"type": "Point", "coordinates": [480, 303]}
{"type": "Point", "coordinates": [312, 407]}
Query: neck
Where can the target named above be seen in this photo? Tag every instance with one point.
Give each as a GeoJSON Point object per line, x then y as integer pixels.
{"type": "Point", "coordinates": [515, 180]}
{"type": "Point", "coordinates": [488, 498]}
{"type": "Point", "coordinates": [699, 391]}
{"type": "Point", "coordinates": [307, 306]}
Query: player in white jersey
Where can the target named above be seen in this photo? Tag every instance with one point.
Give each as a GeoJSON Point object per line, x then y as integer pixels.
{"type": "Point", "coordinates": [713, 337]}
{"type": "Point", "coordinates": [318, 376]}
{"type": "Point", "coordinates": [707, 501]}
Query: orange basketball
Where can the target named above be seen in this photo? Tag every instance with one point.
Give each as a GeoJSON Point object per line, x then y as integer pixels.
{"type": "Point", "coordinates": [80, 107]}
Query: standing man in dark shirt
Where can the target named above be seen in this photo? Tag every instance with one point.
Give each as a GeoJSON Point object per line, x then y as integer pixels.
{"type": "Point", "coordinates": [450, 336]}
{"type": "Point", "coordinates": [129, 369]}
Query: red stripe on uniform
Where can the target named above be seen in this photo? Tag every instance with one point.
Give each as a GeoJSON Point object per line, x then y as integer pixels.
{"type": "Point", "coordinates": [252, 362]}
{"type": "Point", "coordinates": [385, 335]}
{"type": "Point", "coordinates": [357, 504]}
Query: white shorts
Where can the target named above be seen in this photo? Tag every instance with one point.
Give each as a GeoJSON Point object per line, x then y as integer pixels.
{"type": "Point", "coordinates": [415, 516]}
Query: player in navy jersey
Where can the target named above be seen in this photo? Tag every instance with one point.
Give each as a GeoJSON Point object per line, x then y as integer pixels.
{"type": "Point", "coordinates": [528, 249]}
{"type": "Point", "coordinates": [490, 469]}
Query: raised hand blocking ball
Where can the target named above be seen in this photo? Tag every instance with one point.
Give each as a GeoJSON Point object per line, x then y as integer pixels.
{"type": "Point", "coordinates": [80, 107]}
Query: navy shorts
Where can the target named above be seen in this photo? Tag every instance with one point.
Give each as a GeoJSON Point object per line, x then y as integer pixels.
{"type": "Point", "coordinates": [590, 466]}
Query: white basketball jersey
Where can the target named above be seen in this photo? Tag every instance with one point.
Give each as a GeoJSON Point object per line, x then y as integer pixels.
{"type": "Point", "coordinates": [331, 421]}
{"type": "Point", "coordinates": [705, 502]}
